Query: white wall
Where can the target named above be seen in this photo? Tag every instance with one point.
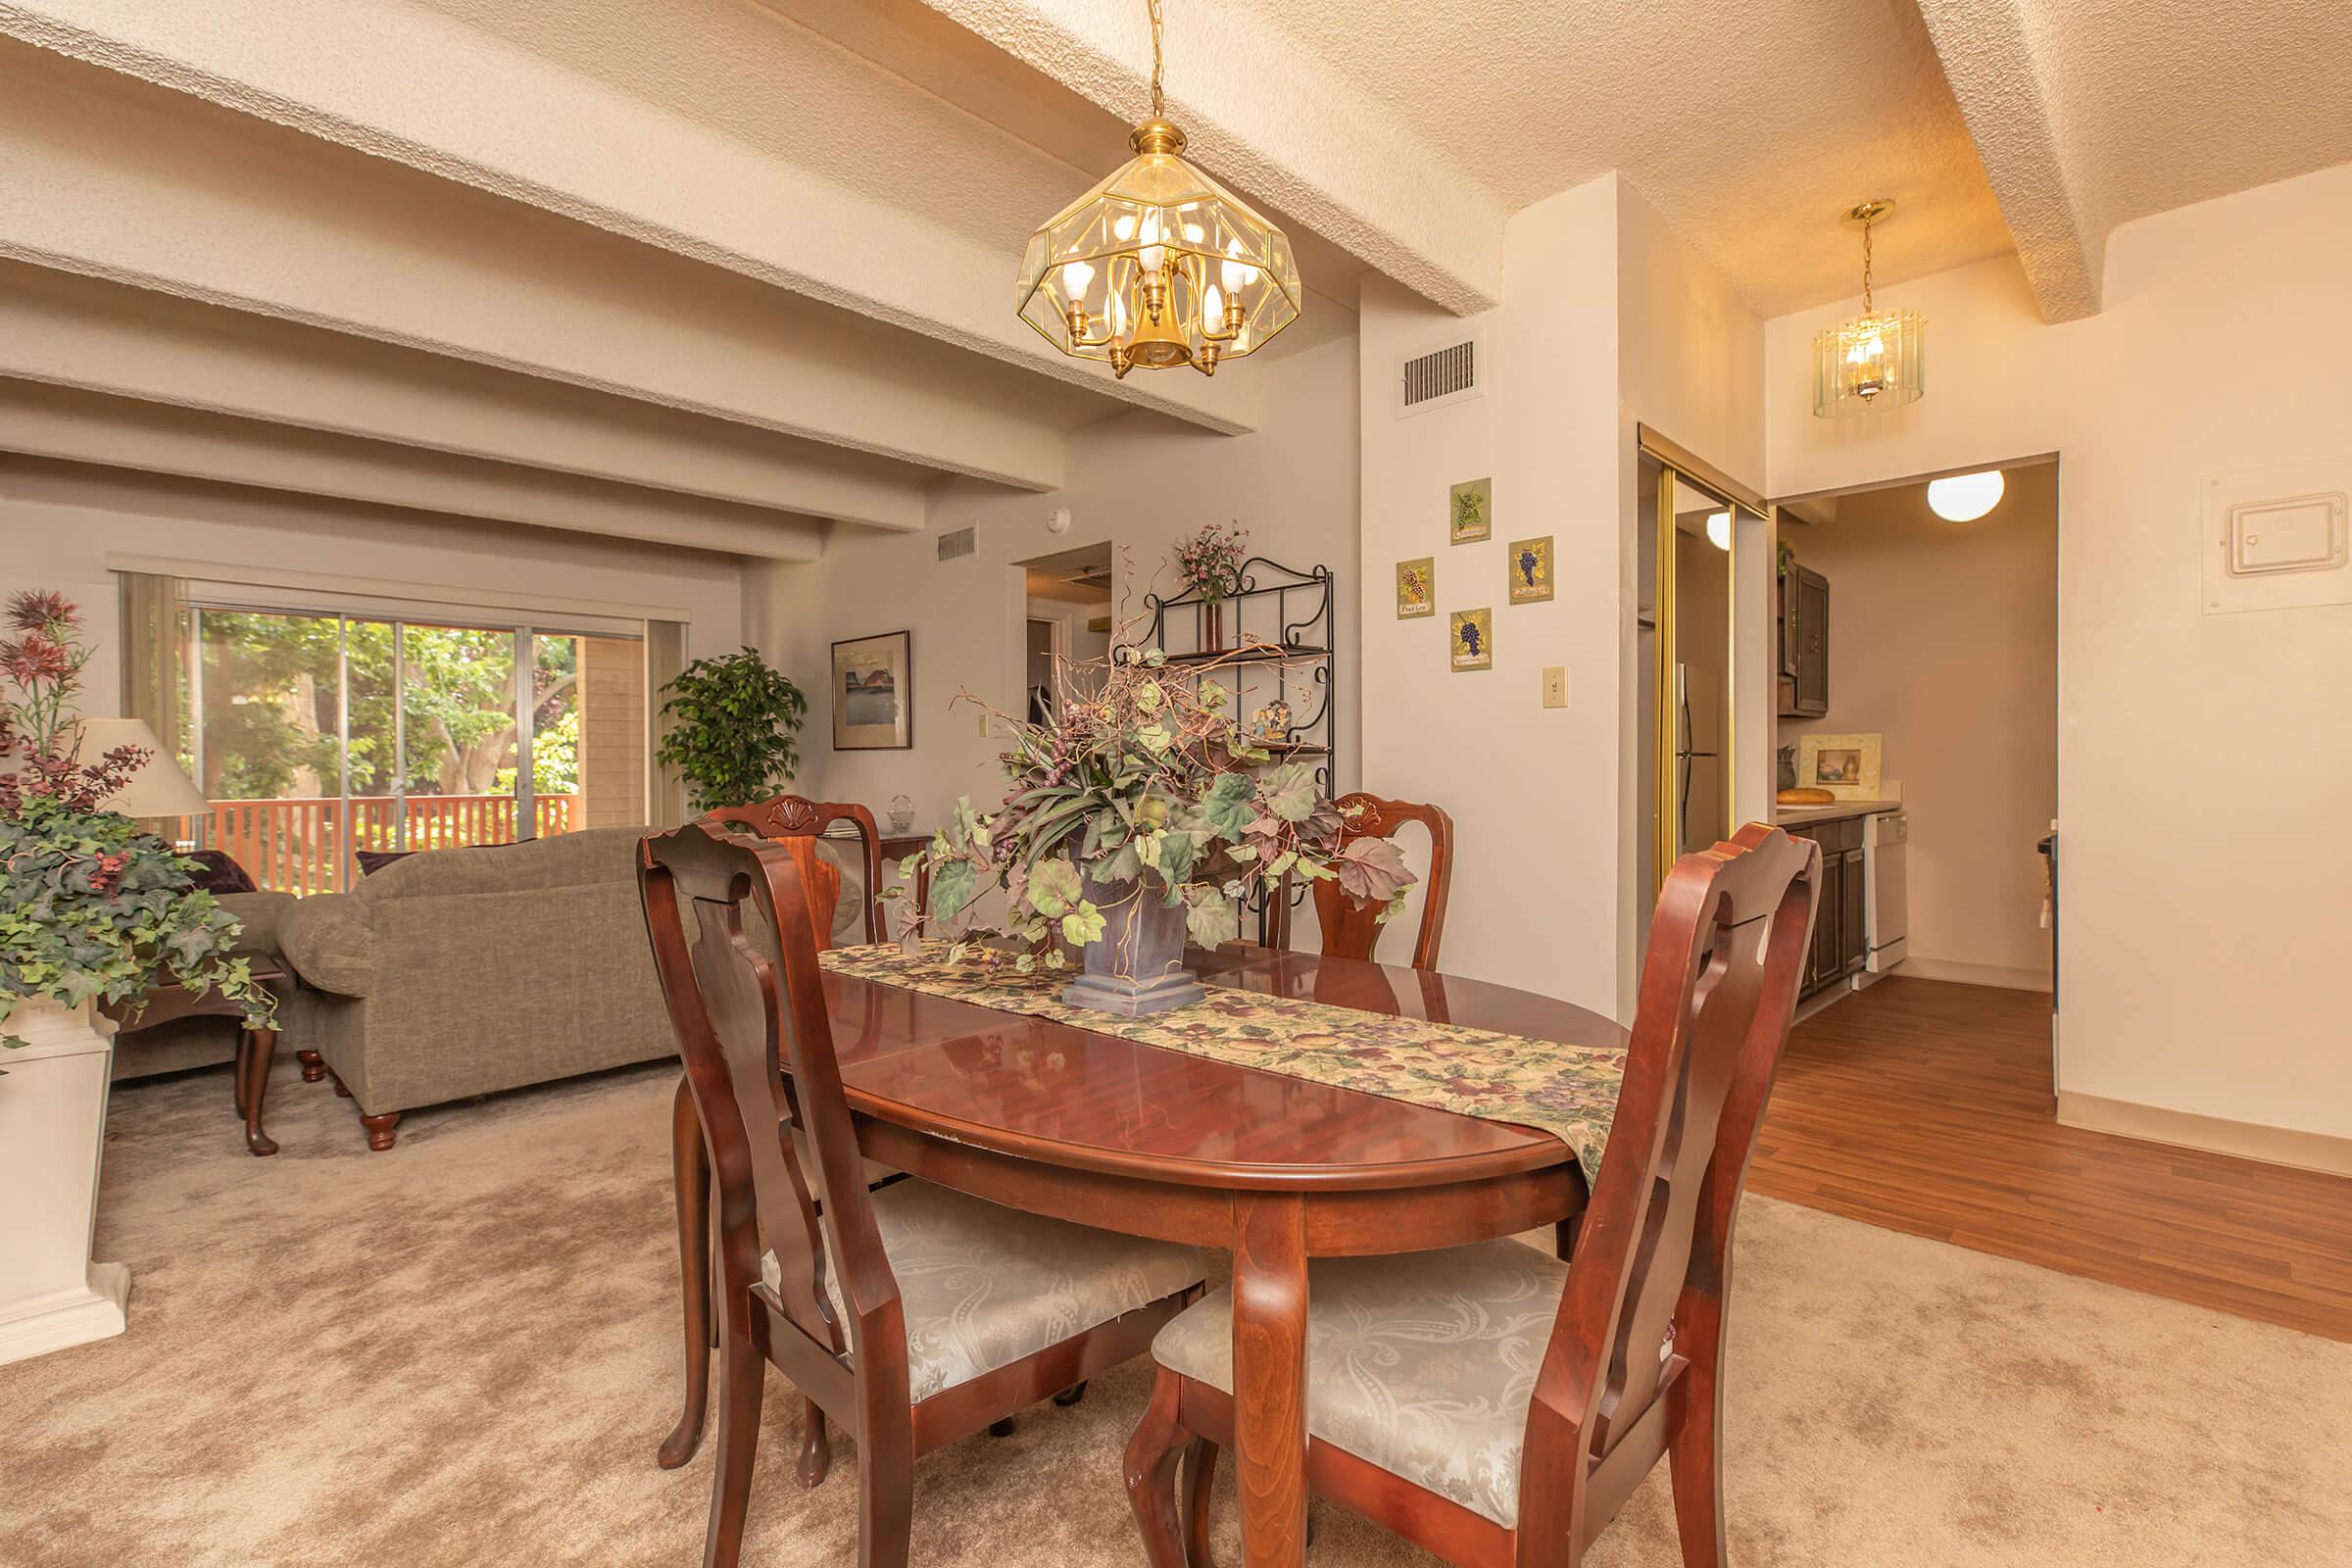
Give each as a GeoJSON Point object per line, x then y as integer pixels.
{"type": "Point", "coordinates": [1138, 481]}
{"type": "Point", "coordinates": [2204, 761]}
{"type": "Point", "coordinates": [1534, 792]}
{"type": "Point", "coordinates": [1944, 642]}
{"type": "Point", "coordinates": [59, 523]}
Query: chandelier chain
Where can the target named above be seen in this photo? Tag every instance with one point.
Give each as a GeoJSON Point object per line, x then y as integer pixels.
{"type": "Point", "coordinates": [1158, 100]}
{"type": "Point", "coordinates": [1865, 259]}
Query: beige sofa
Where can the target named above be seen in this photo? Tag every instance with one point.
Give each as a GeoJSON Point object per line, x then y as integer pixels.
{"type": "Point", "coordinates": [461, 972]}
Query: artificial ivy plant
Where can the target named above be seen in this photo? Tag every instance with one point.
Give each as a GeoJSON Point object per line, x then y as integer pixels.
{"type": "Point", "coordinates": [91, 907]}
{"type": "Point", "coordinates": [734, 728]}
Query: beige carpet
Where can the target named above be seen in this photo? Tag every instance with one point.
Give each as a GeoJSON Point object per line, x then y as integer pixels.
{"type": "Point", "coordinates": [463, 1352]}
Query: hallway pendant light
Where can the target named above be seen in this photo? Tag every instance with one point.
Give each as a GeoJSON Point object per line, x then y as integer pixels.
{"type": "Point", "coordinates": [1966, 497]}
{"type": "Point", "coordinates": [1719, 529]}
{"type": "Point", "coordinates": [1879, 359]}
{"type": "Point", "coordinates": [1159, 266]}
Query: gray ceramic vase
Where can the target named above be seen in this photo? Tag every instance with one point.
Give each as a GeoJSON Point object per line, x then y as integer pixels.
{"type": "Point", "coordinates": [1135, 966]}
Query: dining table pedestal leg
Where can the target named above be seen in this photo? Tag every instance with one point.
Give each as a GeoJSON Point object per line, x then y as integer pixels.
{"type": "Point", "coordinates": [1269, 1378]}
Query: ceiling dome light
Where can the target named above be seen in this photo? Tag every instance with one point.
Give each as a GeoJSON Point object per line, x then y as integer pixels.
{"type": "Point", "coordinates": [1718, 530]}
{"type": "Point", "coordinates": [1966, 497]}
{"type": "Point", "coordinates": [1879, 359]}
{"type": "Point", "coordinates": [1159, 266]}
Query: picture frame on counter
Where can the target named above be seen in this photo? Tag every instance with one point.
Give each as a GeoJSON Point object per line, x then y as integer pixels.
{"type": "Point", "coordinates": [1847, 766]}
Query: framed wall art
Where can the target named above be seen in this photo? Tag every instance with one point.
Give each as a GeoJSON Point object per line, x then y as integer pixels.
{"type": "Point", "coordinates": [873, 693]}
{"type": "Point", "coordinates": [1470, 511]}
{"type": "Point", "coordinates": [1472, 643]}
{"type": "Point", "coordinates": [1529, 562]}
{"type": "Point", "coordinates": [1416, 588]}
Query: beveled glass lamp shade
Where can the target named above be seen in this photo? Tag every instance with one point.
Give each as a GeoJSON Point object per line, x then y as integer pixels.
{"type": "Point", "coordinates": [1876, 361]}
{"type": "Point", "coordinates": [1159, 266]}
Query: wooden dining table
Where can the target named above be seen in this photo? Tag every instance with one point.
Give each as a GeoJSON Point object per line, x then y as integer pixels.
{"type": "Point", "coordinates": [1148, 1140]}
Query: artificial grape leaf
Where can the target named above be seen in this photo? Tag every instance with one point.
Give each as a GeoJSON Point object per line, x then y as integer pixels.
{"type": "Point", "coordinates": [1082, 925]}
{"type": "Point", "coordinates": [1054, 888]}
{"type": "Point", "coordinates": [1149, 698]}
{"type": "Point", "coordinates": [1211, 921]}
{"type": "Point", "coordinates": [1372, 870]}
{"type": "Point", "coordinates": [952, 885]}
{"type": "Point", "coordinates": [1288, 792]}
{"type": "Point", "coordinates": [1224, 810]}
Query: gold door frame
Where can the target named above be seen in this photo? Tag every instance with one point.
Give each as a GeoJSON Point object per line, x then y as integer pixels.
{"type": "Point", "coordinates": [1677, 465]}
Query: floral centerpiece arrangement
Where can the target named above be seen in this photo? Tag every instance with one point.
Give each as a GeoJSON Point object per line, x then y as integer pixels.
{"type": "Point", "coordinates": [90, 907]}
{"type": "Point", "coordinates": [1139, 813]}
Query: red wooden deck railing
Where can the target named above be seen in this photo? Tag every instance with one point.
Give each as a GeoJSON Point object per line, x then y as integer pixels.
{"type": "Point", "coordinates": [303, 845]}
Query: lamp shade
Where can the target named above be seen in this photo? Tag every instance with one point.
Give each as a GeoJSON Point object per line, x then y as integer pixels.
{"type": "Point", "coordinates": [159, 788]}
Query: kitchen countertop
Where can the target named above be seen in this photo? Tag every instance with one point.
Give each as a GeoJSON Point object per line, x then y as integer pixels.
{"type": "Point", "coordinates": [1806, 815]}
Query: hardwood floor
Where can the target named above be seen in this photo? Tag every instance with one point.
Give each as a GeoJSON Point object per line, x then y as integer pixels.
{"type": "Point", "coordinates": [1927, 1106]}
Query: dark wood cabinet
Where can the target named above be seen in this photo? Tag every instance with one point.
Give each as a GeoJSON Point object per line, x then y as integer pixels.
{"type": "Point", "coordinates": [1805, 615]}
{"type": "Point", "coordinates": [1840, 942]}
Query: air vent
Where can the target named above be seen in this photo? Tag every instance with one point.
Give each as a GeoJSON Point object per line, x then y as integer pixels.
{"type": "Point", "coordinates": [958, 544]}
{"type": "Point", "coordinates": [1440, 376]}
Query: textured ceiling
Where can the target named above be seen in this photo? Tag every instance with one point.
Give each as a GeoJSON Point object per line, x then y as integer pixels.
{"type": "Point", "coordinates": [1751, 124]}
{"type": "Point", "coordinates": [2158, 106]}
{"type": "Point", "coordinates": [882, 97]}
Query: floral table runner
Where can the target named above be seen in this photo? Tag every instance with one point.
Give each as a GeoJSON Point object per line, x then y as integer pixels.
{"type": "Point", "coordinates": [1569, 1090]}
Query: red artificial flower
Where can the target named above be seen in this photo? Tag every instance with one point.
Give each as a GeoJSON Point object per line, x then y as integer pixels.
{"type": "Point", "coordinates": [38, 608]}
{"type": "Point", "coordinates": [34, 658]}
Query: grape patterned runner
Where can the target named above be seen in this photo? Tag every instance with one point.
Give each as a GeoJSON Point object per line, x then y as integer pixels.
{"type": "Point", "coordinates": [1561, 1088]}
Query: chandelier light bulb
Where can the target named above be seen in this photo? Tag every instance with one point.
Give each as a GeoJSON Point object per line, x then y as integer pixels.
{"type": "Point", "coordinates": [1212, 309]}
{"type": "Point", "coordinates": [1966, 497]}
{"type": "Point", "coordinates": [1076, 278]}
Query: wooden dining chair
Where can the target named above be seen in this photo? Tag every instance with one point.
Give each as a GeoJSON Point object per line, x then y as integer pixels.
{"type": "Point", "coordinates": [1425, 1410]}
{"type": "Point", "coordinates": [911, 1314]}
{"type": "Point", "coordinates": [1351, 930]}
{"type": "Point", "coordinates": [798, 823]}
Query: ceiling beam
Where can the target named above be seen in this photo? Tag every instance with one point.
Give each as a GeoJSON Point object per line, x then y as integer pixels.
{"type": "Point", "coordinates": [113, 178]}
{"type": "Point", "coordinates": [1271, 118]}
{"type": "Point", "coordinates": [70, 330]}
{"type": "Point", "coordinates": [501, 119]}
{"type": "Point", "coordinates": [1988, 51]}
{"type": "Point", "coordinates": [49, 422]}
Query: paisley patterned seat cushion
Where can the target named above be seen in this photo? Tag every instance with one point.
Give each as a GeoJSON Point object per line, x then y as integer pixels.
{"type": "Point", "coordinates": [984, 1286]}
{"type": "Point", "coordinates": [1422, 1364]}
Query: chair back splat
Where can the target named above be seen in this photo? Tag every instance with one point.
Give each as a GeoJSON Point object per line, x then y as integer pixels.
{"type": "Point", "coordinates": [748, 1002]}
{"type": "Point", "coordinates": [1644, 1302]}
{"type": "Point", "coordinates": [1351, 930]}
{"type": "Point", "coordinates": [796, 823]}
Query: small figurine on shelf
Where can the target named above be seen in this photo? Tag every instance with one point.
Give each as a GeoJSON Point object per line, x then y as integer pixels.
{"type": "Point", "coordinates": [902, 813]}
{"type": "Point", "coordinates": [1271, 722]}
{"type": "Point", "coordinates": [1210, 563]}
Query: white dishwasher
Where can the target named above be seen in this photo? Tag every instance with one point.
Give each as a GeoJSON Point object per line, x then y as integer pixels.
{"type": "Point", "coordinates": [1886, 923]}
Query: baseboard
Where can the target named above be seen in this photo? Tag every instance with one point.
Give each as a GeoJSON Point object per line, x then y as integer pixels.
{"type": "Point", "coordinates": [1973, 974]}
{"type": "Point", "coordinates": [2186, 1129]}
{"type": "Point", "coordinates": [70, 1317]}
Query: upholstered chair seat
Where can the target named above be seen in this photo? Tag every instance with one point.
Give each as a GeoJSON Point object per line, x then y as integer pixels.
{"type": "Point", "coordinates": [1423, 1364]}
{"type": "Point", "coordinates": [983, 1286]}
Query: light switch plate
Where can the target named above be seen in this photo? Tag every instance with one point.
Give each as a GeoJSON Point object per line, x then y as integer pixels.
{"type": "Point", "coordinates": [1555, 685]}
{"type": "Point", "coordinates": [2276, 538]}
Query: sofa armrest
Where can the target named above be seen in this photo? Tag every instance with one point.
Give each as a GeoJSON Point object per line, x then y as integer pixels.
{"type": "Point", "coordinates": [259, 916]}
{"type": "Point", "coordinates": [329, 940]}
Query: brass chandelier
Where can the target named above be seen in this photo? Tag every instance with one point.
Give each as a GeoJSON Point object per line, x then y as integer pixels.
{"type": "Point", "coordinates": [1879, 359]}
{"type": "Point", "coordinates": [1159, 266]}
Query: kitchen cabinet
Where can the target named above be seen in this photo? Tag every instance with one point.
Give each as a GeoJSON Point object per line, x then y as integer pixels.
{"type": "Point", "coordinates": [1804, 616]}
{"type": "Point", "coordinates": [1841, 944]}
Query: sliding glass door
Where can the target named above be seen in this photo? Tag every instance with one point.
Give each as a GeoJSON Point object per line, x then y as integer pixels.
{"type": "Point", "coordinates": [319, 737]}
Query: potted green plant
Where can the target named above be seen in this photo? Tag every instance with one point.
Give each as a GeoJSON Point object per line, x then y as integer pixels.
{"type": "Point", "coordinates": [1138, 815]}
{"type": "Point", "coordinates": [91, 909]}
{"type": "Point", "coordinates": [734, 729]}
